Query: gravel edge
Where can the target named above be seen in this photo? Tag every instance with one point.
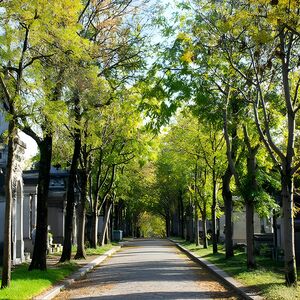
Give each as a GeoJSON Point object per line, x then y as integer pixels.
{"type": "Point", "coordinates": [223, 276]}
{"type": "Point", "coordinates": [55, 290]}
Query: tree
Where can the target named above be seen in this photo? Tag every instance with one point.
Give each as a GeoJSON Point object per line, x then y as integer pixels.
{"type": "Point", "coordinates": [269, 48]}
{"type": "Point", "coordinates": [24, 26]}
{"type": "Point", "coordinates": [113, 47]}
{"type": "Point", "coordinates": [119, 135]}
{"type": "Point", "coordinates": [35, 19]}
{"type": "Point", "coordinates": [67, 245]}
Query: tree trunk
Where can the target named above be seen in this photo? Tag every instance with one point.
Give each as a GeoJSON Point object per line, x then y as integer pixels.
{"type": "Point", "coordinates": [181, 215]}
{"type": "Point", "coordinates": [117, 213]}
{"type": "Point", "coordinates": [168, 224]}
{"type": "Point", "coordinates": [214, 216]}
{"type": "Point", "coordinates": [197, 240]}
{"type": "Point", "coordinates": [249, 199]}
{"type": "Point", "coordinates": [103, 201]}
{"type": "Point", "coordinates": [67, 246]}
{"type": "Point", "coordinates": [189, 223]}
{"type": "Point", "coordinates": [275, 241]}
{"type": "Point", "coordinates": [218, 230]}
{"type": "Point", "coordinates": [250, 234]}
{"type": "Point", "coordinates": [227, 197]}
{"type": "Point", "coordinates": [6, 271]}
{"type": "Point", "coordinates": [205, 242]}
{"type": "Point", "coordinates": [94, 239]}
{"type": "Point", "coordinates": [109, 227]}
{"type": "Point", "coordinates": [81, 212]}
{"type": "Point", "coordinates": [231, 152]}
{"type": "Point", "coordinates": [40, 249]}
{"type": "Point", "coordinates": [288, 224]}
{"type": "Point", "coordinates": [172, 225]}
{"type": "Point", "coordinates": [287, 176]}
{"type": "Point", "coordinates": [108, 208]}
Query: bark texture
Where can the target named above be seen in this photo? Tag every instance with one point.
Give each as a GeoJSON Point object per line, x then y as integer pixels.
{"type": "Point", "coordinates": [288, 224]}
{"type": "Point", "coordinates": [6, 269]}
{"type": "Point", "coordinates": [40, 249]}
{"type": "Point", "coordinates": [205, 242]}
{"type": "Point", "coordinates": [105, 230]}
{"type": "Point", "coordinates": [227, 197]}
{"type": "Point", "coordinates": [81, 212]}
{"type": "Point", "coordinates": [67, 245]}
{"type": "Point", "coordinates": [214, 216]}
{"type": "Point", "coordinates": [94, 237]}
{"type": "Point", "coordinates": [197, 239]}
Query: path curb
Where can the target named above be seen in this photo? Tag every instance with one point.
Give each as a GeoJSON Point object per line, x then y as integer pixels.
{"type": "Point", "coordinates": [54, 291]}
{"type": "Point", "coordinates": [227, 279]}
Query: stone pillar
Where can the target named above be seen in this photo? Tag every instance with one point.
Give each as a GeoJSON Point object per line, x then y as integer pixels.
{"type": "Point", "coordinates": [29, 215]}
{"type": "Point", "coordinates": [34, 207]}
{"type": "Point", "coordinates": [29, 209]}
{"type": "Point", "coordinates": [26, 216]}
{"type": "Point", "coordinates": [74, 231]}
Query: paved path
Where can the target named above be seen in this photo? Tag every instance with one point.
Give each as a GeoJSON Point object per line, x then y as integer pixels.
{"type": "Point", "coordinates": [148, 269]}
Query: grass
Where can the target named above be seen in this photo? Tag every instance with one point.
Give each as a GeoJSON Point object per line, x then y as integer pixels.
{"type": "Point", "coordinates": [25, 284]}
{"type": "Point", "coordinates": [91, 251]}
{"type": "Point", "coordinates": [100, 250]}
{"type": "Point", "coordinates": [267, 278]}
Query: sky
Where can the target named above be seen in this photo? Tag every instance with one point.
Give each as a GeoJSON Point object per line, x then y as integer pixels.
{"type": "Point", "coordinates": [31, 146]}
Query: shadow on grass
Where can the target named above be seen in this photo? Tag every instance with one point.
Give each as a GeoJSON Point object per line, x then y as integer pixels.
{"type": "Point", "coordinates": [263, 288]}
{"type": "Point", "coordinates": [266, 279]}
{"type": "Point", "coordinates": [26, 284]}
{"type": "Point", "coordinates": [89, 251]}
{"type": "Point", "coordinates": [237, 264]}
{"type": "Point", "coordinates": [53, 274]}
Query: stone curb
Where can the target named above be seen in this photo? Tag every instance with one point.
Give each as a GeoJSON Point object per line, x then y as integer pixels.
{"type": "Point", "coordinates": [228, 280]}
{"type": "Point", "coordinates": [50, 294]}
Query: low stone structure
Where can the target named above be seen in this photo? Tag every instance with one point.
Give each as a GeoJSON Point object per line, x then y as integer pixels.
{"type": "Point", "coordinates": [17, 207]}
{"type": "Point", "coordinates": [56, 204]}
{"type": "Point", "coordinates": [24, 207]}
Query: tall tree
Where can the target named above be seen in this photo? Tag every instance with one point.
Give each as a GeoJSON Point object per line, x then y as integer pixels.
{"type": "Point", "coordinates": [269, 48]}
{"type": "Point", "coordinates": [45, 56]}
{"type": "Point", "coordinates": [25, 24]}
{"type": "Point", "coordinates": [67, 245]}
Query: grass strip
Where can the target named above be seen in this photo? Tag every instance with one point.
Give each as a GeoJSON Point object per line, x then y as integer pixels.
{"type": "Point", "coordinates": [267, 278]}
{"type": "Point", "coordinates": [100, 250]}
{"type": "Point", "coordinates": [25, 284]}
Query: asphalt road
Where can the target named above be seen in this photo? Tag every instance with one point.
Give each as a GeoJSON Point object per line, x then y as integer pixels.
{"type": "Point", "coordinates": [148, 269]}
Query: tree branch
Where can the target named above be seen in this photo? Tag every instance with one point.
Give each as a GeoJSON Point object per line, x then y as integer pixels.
{"type": "Point", "coordinates": [84, 10]}
{"type": "Point", "coordinates": [7, 97]}
{"type": "Point", "coordinates": [36, 58]}
{"type": "Point", "coordinates": [228, 143]}
{"type": "Point", "coordinates": [296, 168]}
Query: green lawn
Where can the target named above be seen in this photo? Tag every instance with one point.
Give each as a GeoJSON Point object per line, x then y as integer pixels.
{"type": "Point", "coordinates": [100, 250]}
{"type": "Point", "coordinates": [267, 278]}
{"type": "Point", "coordinates": [25, 284]}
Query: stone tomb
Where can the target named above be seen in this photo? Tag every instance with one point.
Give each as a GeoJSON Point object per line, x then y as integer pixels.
{"type": "Point", "coordinates": [17, 208]}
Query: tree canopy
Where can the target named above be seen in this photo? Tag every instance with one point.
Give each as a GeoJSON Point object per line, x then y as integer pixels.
{"type": "Point", "coordinates": [175, 116]}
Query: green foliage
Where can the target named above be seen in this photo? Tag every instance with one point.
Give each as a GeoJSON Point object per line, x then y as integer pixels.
{"type": "Point", "coordinates": [152, 226]}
